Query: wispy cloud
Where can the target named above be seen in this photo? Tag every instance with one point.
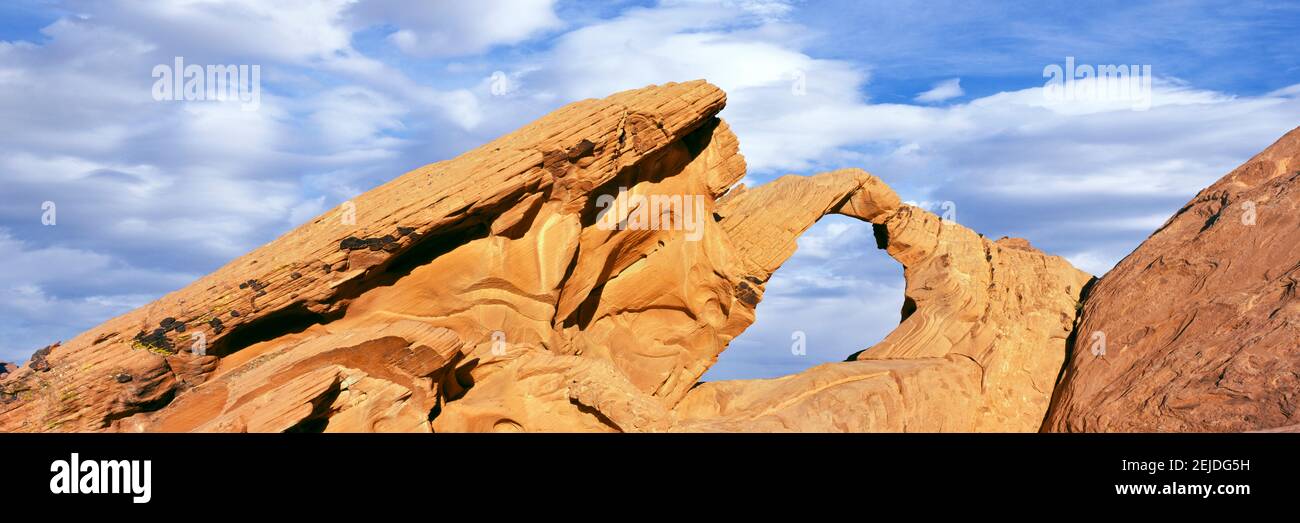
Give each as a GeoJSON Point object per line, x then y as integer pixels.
{"type": "Point", "coordinates": [456, 28]}
{"type": "Point", "coordinates": [942, 91]}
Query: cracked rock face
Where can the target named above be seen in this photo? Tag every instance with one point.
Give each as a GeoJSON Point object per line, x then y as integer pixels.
{"type": "Point", "coordinates": [1199, 328]}
{"type": "Point", "coordinates": [579, 274]}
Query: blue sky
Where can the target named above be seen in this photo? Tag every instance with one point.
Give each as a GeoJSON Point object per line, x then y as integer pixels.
{"type": "Point", "coordinates": [152, 195]}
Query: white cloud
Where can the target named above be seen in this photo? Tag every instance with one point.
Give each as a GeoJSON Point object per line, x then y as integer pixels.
{"type": "Point", "coordinates": [94, 286]}
{"type": "Point", "coordinates": [457, 28]}
{"type": "Point", "coordinates": [828, 241]}
{"type": "Point", "coordinates": [305, 211]}
{"type": "Point", "coordinates": [1092, 262]}
{"type": "Point", "coordinates": [284, 30]}
{"type": "Point", "coordinates": [747, 49]}
{"type": "Point", "coordinates": [354, 116]}
{"type": "Point", "coordinates": [945, 90]}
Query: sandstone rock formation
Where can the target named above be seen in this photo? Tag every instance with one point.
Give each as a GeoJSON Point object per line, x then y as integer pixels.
{"type": "Point", "coordinates": [982, 340]}
{"type": "Point", "coordinates": [579, 274]}
{"type": "Point", "coordinates": [1199, 328]}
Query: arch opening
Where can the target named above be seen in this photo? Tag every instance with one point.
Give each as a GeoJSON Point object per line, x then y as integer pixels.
{"type": "Point", "coordinates": [837, 295]}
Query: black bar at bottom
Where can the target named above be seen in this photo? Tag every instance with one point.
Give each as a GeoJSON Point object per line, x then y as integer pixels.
{"type": "Point", "coordinates": [250, 470]}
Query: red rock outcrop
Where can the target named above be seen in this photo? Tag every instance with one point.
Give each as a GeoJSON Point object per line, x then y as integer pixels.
{"type": "Point", "coordinates": [1199, 328]}
{"type": "Point", "coordinates": [579, 274]}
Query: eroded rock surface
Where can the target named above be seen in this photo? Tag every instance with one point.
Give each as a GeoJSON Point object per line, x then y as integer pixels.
{"type": "Point", "coordinates": [477, 244]}
{"type": "Point", "coordinates": [982, 340]}
{"type": "Point", "coordinates": [579, 274]}
{"type": "Point", "coordinates": [1199, 328]}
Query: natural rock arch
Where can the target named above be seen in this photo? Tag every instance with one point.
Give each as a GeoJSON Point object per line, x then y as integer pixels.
{"type": "Point", "coordinates": [481, 294]}
{"type": "Point", "coordinates": [980, 352]}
